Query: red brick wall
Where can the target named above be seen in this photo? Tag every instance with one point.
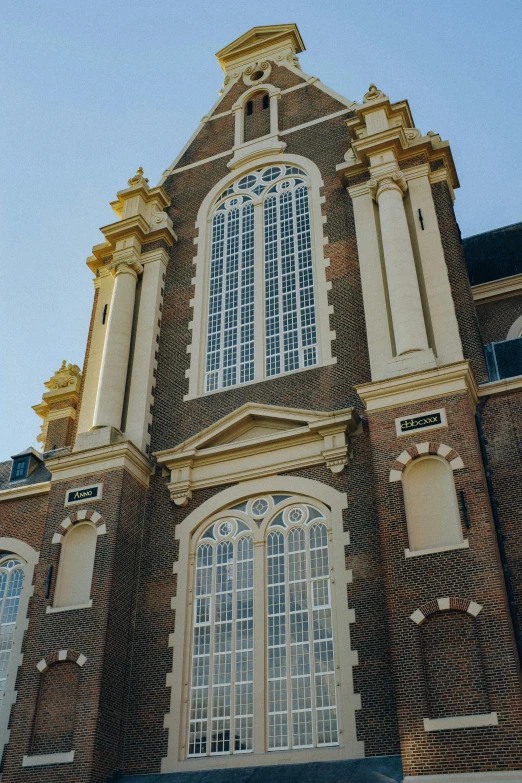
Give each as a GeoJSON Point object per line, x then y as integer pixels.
{"type": "Point", "coordinates": [496, 318]}
{"type": "Point", "coordinates": [101, 633]}
{"type": "Point", "coordinates": [56, 709]}
{"type": "Point", "coordinates": [258, 123]}
{"type": "Point", "coordinates": [502, 422]}
{"type": "Point", "coordinates": [452, 658]}
{"type": "Point", "coordinates": [459, 281]}
{"type": "Point", "coordinates": [472, 573]}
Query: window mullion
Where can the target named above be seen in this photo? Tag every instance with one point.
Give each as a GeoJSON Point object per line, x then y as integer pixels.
{"type": "Point", "coordinates": [260, 743]}
{"type": "Point", "coordinates": [297, 280]}
{"type": "Point", "coordinates": [259, 286]}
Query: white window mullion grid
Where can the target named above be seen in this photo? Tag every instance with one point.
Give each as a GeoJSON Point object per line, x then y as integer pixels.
{"type": "Point", "coordinates": [301, 658]}
{"type": "Point", "coordinates": [278, 728]}
{"type": "Point", "coordinates": [201, 679]}
{"type": "Point", "coordinates": [222, 707]}
{"type": "Point", "coordinates": [243, 645]}
{"type": "Point", "coordinates": [320, 607]}
{"type": "Point", "coordinates": [11, 583]}
{"type": "Point", "coordinates": [305, 280]}
{"type": "Point", "coordinates": [222, 658]}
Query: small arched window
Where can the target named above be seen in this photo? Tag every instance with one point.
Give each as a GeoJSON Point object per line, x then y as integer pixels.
{"type": "Point", "coordinates": [73, 587]}
{"type": "Point", "coordinates": [432, 511]}
{"type": "Point", "coordinates": [11, 583]}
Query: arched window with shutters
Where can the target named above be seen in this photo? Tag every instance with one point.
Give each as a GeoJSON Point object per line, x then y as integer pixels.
{"type": "Point", "coordinates": [261, 279]}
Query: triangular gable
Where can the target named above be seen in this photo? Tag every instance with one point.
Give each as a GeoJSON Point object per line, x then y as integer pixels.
{"type": "Point", "coordinates": [253, 43]}
{"type": "Point", "coordinates": [241, 423]}
{"type": "Point", "coordinates": [257, 440]}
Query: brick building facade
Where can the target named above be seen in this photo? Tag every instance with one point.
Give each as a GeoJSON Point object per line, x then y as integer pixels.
{"type": "Point", "coordinates": [273, 532]}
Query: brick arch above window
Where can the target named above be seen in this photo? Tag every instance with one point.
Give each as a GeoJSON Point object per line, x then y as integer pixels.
{"type": "Point", "coordinates": [422, 450]}
{"type": "Point", "coordinates": [444, 605]}
{"type": "Point", "coordinates": [83, 515]}
{"type": "Point", "coordinates": [61, 655]}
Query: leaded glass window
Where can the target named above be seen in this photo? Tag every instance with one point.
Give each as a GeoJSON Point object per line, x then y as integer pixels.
{"type": "Point", "coordinates": [11, 583]}
{"type": "Point", "coordinates": [297, 664]}
{"type": "Point", "coordinates": [222, 691]}
{"type": "Point", "coordinates": [283, 246]}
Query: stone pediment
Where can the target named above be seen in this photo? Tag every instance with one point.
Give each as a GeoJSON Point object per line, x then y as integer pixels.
{"type": "Point", "coordinates": [257, 440]}
{"type": "Point", "coordinates": [259, 41]}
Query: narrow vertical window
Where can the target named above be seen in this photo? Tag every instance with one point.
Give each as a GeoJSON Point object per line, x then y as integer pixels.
{"type": "Point", "coordinates": [222, 690]}
{"type": "Point", "coordinates": [291, 339]}
{"type": "Point", "coordinates": [230, 338]}
{"type": "Point", "coordinates": [11, 583]}
{"type": "Point", "coordinates": [302, 709]}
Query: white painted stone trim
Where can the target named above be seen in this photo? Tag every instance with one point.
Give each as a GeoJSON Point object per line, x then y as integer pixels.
{"type": "Point", "coordinates": [515, 329]}
{"type": "Point", "coordinates": [48, 758]}
{"type": "Point", "coordinates": [436, 549]}
{"type": "Point", "coordinates": [31, 557]}
{"type": "Point", "coordinates": [497, 288]}
{"type": "Point", "coordinates": [19, 492]}
{"type": "Point", "coordinates": [461, 722]}
{"type": "Point", "coordinates": [56, 609]}
{"type": "Point", "coordinates": [500, 387]}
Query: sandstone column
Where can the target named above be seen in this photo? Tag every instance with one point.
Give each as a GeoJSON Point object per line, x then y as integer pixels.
{"type": "Point", "coordinates": [403, 288]}
{"type": "Point", "coordinates": [115, 360]}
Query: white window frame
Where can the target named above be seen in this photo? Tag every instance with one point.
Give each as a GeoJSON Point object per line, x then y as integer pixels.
{"type": "Point", "coordinates": [29, 557]}
{"type": "Point", "coordinates": [331, 503]}
{"type": "Point", "coordinates": [197, 349]}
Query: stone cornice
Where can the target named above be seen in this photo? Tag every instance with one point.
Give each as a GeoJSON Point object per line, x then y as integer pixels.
{"type": "Point", "coordinates": [301, 438]}
{"type": "Point", "coordinates": [496, 289]}
{"type": "Point", "coordinates": [416, 387]}
{"type": "Point", "coordinates": [504, 386]}
{"type": "Point", "coordinates": [30, 490]}
{"type": "Point", "coordinates": [104, 458]}
{"type": "Point", "coordinates": [396, 141]}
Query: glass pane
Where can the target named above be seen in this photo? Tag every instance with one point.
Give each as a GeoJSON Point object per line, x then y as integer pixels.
{"type": "Point", "coordinates": [301, 667]}
{"type": "Point", "coordinates": [222, 687]}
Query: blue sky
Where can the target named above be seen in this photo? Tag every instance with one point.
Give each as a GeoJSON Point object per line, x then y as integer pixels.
{"type": "Point", "coordinates": [93, 90]}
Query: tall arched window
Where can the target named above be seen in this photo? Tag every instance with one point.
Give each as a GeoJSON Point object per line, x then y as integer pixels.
{"type": "Point", "coordinates": [11, 583]}
{"type": "Point", "coordinates": [432, 511]}
{"type": "Point", "coordinates": [295, 664]}
{"type": "Point", "coordinates": [279, 239]}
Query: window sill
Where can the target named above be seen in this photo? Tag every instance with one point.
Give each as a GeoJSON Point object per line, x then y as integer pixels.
{"type": "Point", "coordinates": [434, 550]}
{"type": "Point", "coordinates": [461, 722]}
{"type": "Point", "coordinates": [55, 609]}
{"type": "Point", "coordinates": [48, 758]}
{"type": "Point", "coordinates": [265, 379]}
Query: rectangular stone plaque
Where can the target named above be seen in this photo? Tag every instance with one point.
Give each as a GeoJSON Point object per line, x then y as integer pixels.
{"type": "Point", "coordinates": [421, 421]}
{"type": "Point", "coordinates": [83, 494]}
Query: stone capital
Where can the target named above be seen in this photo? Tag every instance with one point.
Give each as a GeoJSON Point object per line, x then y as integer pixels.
{"type": "Point", "coordinates": [125, 262]}
{"type": "Point", "coordinates": [394, 181]}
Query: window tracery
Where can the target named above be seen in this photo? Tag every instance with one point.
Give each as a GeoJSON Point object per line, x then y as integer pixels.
{"type": "Point", "coordinates": [298, 655]}
{"type": "Point", "coordinates": [283, 239]}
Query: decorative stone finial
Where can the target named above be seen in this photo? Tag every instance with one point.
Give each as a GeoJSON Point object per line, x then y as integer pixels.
{"type": "Point", "coordinates": [138, 178]}
{"type": "Point", "coordinates": [67, 375]}
{"type": "Point", "coordinates": [373, 94]}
